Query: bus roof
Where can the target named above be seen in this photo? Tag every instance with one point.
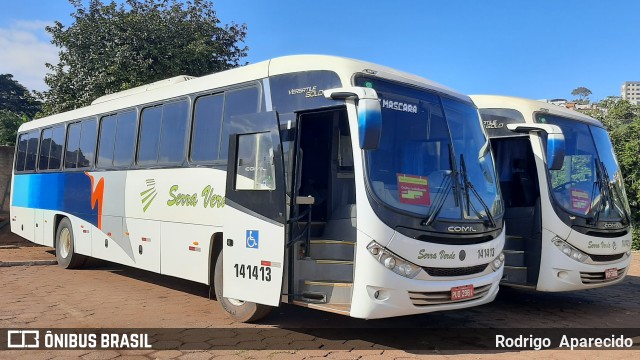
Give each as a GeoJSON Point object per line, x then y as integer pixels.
{"type": "Point", "coordinates": [171, 88]}
{"type": "Point", "coordinates": [528, 107]}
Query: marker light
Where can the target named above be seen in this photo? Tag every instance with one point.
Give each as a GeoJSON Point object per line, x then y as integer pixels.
{"type": "Point", "coordinates": [392, 261]}
{"type": "Point", "coordinates": [569, 250]}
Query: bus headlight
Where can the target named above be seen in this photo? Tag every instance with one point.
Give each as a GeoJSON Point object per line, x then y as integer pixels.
{"type": "Point", "coordinates": [569, 250]}
{"type": "Point", "coordinates": [497, 262]}
{"type": "Point", "coordinates": [392, 261]}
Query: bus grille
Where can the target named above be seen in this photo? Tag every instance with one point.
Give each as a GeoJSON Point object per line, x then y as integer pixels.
{"type": "Point", "coordinates": [598, 277]}
{"type": "Point", "coordinates": [433, 271]}
{"type": "Point", "coordinates": [429, 298]}
{"type": "Point", "coordinates": [606, 258]}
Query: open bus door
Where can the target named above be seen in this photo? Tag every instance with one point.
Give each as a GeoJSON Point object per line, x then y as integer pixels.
{"type": "Point", "coordinates": [254, 212]}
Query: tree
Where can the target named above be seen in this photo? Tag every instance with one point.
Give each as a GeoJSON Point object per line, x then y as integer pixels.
{"type": "Point", "coordinates": [110, 47]}
{"type": "Point", "coordinates": [16, 98]}
{"type": "Point", "coordinates": [9, 124]}
{"type": "Point", "coordinates": [582, 93]}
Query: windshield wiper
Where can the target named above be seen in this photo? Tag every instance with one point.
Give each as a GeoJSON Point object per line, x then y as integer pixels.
{"type": "Point", "coordinates": [449, 182]}
{"type": "Point", "coordinates": [469, 186]}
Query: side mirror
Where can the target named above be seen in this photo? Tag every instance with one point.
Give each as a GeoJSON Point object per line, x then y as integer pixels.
{"type": "Point", "coordinates": [555, 141]}
{"type": "Point", "coordinates": [369, 113]}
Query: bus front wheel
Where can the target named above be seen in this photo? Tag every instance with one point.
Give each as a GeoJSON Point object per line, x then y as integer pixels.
{"type": "Point", "coordinates": [239, 310]}
{"type": "Point", "coordinates": [65, 250]}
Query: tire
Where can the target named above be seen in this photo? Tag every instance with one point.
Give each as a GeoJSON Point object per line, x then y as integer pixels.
{"type": "Point", "coordinates": [65, 249]}
{"type": "Point", "coordinates": [242, 311]}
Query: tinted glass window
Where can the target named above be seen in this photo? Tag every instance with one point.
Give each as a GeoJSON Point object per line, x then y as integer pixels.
{"type": "Point", "coordinates": [125, 139]}
{"type": "Point", "coordinates": [107, 139]}
{"type": "Point", "coordinates": [237, 102]}
{"type": "Point", "coordinates": [173, 135]}
{"type": "Point", "coordinates": [87, 144]}
{"type": "Point", "coordinates": [23, 140]}
{"type": "Point", "coordinates": [207, 120]}
{"type": "Point", "coordinates": [73, 146]}
{"type": "Point", "coordinates": [45, 149]}
{"type": "Point", "coordinates": [151, 123]}
{"type": "Point", "coordinates": [32, 151]}
{"type": "Point", "coordinates": [57, 144]}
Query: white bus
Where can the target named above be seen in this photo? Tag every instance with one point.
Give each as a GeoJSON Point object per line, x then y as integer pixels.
{"type": "Point", "coordinates": [567, 215]}
{"type": "Point", "coordinates": [325, 182]}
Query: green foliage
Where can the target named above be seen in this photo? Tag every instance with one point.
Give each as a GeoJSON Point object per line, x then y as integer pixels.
{"type": "Point", "coordinates": [110, 47]}
{"type": "Point", "coordinates": [9, 124]}
{"type": "Point", "coordinates": [582, 93]}
{"type": "Point", "coordinates": [16, 98]}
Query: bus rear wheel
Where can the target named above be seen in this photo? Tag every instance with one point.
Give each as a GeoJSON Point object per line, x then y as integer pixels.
{"type": "Point", "coordinates": [242, 311]}
{"type": "Point", "coordinates": [65, 249]}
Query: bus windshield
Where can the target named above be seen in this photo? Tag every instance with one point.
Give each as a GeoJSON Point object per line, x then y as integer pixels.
{"type": "Point", "coordinates": [433, 159]}
{"type": "Point", "coordinates": [590, 182]}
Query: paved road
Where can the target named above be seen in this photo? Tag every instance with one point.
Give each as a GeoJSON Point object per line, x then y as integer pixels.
{"type": "Point", "coordinates": [111, 296]}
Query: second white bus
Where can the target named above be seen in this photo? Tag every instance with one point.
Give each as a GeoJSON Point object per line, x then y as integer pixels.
{"type": "Point", "coordinates": [567, 216]}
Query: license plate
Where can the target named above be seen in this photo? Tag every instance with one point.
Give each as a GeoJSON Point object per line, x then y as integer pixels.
{"type": "Point", "coordinates": [461, 292]}
{"type": "Point", "coordinates": [611, 273]}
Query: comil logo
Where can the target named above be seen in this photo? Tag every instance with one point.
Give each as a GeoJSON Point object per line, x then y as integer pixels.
{"type": "Point", "coordinates": [461, 229]}
{"type": "Point", "coordinates": [23, 339]}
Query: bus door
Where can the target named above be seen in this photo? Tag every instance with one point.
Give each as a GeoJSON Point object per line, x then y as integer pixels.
{"type": "Point", "coordinates": [254, 211]}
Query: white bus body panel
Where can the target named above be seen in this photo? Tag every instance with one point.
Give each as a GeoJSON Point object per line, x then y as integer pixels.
{"type": "Point", "coordinates": [256, 242]}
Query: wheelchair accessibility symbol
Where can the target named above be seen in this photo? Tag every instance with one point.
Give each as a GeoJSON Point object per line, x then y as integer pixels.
{"type": "Point", "coordinates": [253, 239]}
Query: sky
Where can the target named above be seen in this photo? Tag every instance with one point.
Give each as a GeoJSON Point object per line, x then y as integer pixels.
{"type": "Point", "coordinates": [540, 49]}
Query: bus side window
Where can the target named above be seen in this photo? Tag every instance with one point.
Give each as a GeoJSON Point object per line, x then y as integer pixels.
{"type": "Point", "coordinates": [45, 149]}
{"type": "Point", "coordinates": [107, 139]}
{"type": "Point", "coordinates": [173, 135]}
{"type": "Point", "coordinates": [73, 146]}
{"type": "Point", "coordinates": [150, 124]}
{"type": "Point", "coordinates": [23, 141]}
{"type": "Point", "coordinates": [237, 102]}
{"type": "Point", "coordinates": [125, 139]}
{"type": "Point", "coordinates": [88, 139]}
{"type": "Point", "coordinates": [57, 144]}
{"type": "Point", "coordinates": [32, 151]}
{"type": "Point", "coordinates": [207, 120]}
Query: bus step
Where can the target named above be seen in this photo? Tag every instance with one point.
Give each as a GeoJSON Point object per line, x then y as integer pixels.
{"type": "Point", "coordinates": [333, 291]}
{"type": "Point", "coordinates": [332, 249]}
{"type": "Point", "coordinates": [514, 258]}
{"type": "Point", "coordinates": [515, 275]}
{"type": "Point", "coordinates": [342, 309]}
{"type": "Point", "coordinates": [335, 270]}
{"type": "Point", "coordinates": [314, 297]}
{"type": "Point", "coordinates": [515, 243]}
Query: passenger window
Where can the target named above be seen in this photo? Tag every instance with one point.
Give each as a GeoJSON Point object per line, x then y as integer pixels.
{"type": "Point", "coordinates": [254, 167]}
{"type": "Point", "coordinates": [45, 149]}
{"type": "Point", "coordinates": [22, 151]}
{"type": "Point", "coordinates": [57, 144]}
{"type": "Point", "coordinates": [173, 135]}
{"type": "Point", "coordinates": [32, 151]}
{"type": "Point", "coordinates": [73, 146]}
{"type": "Point", "coordinates": [87, 144]}
{"type": "Point", "coordinates": [237, 102]}
{"type": "Point", "coordinates": [207, 120]}
{"type": "Point", "coordinates": [107, 139]}
{"type": "Point", "coordinates": [151, 122]}
{"type": "Point", "coordinates": [125, 139]}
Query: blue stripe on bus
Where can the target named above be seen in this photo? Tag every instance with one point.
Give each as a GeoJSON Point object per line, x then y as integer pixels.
{"type": "Point", "coordinates": [68, 192]}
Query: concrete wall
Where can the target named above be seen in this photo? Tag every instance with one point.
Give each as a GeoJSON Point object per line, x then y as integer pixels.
{"type": "Point", "coordinates": [6, 164]}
